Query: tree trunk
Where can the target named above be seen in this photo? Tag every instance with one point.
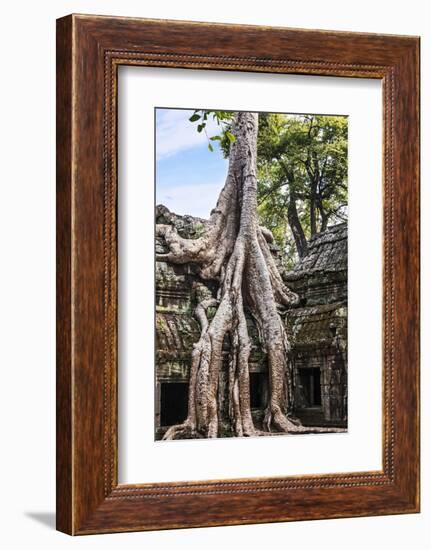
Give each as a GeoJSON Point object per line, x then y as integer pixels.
{"type": "Point", "coordinates": [313, 221]}
{"type": "Point", "coordinates": [324, 218]}
{"type": "Point", "coordinates": [234, 251]}
{"type": "Point", "coordinates": [295, 225]}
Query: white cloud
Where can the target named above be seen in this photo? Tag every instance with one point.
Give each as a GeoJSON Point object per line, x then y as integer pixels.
{"type": "Point", "coordinates": [195, 200]}
{"type": "Point", "coordinates": [174, 132]}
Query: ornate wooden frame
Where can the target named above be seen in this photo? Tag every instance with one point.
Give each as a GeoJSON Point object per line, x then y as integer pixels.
{"type": "Point", "coordinates": [89, 51]}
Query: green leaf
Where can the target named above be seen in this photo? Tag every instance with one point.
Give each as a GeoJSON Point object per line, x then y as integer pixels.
{"type": "Point", "coordinates": [210, 147]}
{"type": "Point", "coordinates": [214, 138]}
{"type": "Point", "coordinates": [201, 127]}
{"type": "Point", "coordinates": [194, 117]}
{"type": "Point", "coordinates": [231, 137]}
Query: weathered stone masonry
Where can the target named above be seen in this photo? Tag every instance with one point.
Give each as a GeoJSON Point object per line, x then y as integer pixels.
{"type": "Point", "coordinates": [317, 330]}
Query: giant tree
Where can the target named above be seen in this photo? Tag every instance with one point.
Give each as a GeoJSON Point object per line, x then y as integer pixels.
{"type": "Point", "coordinates": [234, 252]}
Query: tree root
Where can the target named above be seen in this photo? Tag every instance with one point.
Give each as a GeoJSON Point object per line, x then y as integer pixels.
{"type": "Point", "coordinates": [186, 430]}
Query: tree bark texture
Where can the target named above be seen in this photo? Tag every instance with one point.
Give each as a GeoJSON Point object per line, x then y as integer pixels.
{"type": "Point", "coordinates": [295, 226]}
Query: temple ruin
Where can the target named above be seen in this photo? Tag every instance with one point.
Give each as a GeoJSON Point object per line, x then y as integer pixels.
{"type": "Point", "coordinates": [317, 330]}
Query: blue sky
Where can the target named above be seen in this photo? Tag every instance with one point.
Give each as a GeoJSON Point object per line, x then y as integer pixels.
{"type": "Point", "coordinates": [189, 177]}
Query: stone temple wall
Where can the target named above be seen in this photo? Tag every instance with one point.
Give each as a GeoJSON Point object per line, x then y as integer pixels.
{"type": "Point", "coordinates": [317, 329]}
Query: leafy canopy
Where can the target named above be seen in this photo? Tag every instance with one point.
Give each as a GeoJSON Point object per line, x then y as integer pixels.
{"type": "Point", "coordinates": [302, 172]}
{"type": "Point", "coordinates": [302, 163]}
{"type": "Point", "coordinates": [223, 119]}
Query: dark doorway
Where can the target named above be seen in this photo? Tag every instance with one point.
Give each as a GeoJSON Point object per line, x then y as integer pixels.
{"type": "Point", "coordinates": [311, 388]}
{"type": "Point", "coordinates": [173, 402]}
{"type": "Point", "coordinates": [257, 390]}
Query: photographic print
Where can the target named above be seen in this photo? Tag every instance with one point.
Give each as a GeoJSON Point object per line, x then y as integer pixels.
{"type": "Point", "coordinates": [251, 273]}
{"type": "Point", "coordinates": [208, 180]}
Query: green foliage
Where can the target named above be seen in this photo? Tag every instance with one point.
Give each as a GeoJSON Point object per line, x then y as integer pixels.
{"type": "Point", "coordinates": [198, 230]}
{"type": "Point", "coordinates": [302, 163]}
{"type": "Point", "coordinates": [223, 119]}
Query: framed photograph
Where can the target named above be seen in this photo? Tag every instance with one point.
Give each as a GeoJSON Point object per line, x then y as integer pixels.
{"type": "Point", "coordinates": [237, 274]}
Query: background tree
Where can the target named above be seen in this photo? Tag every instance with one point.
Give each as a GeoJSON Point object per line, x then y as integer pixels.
{"type": "Point", "coordinates": [302, 176]}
